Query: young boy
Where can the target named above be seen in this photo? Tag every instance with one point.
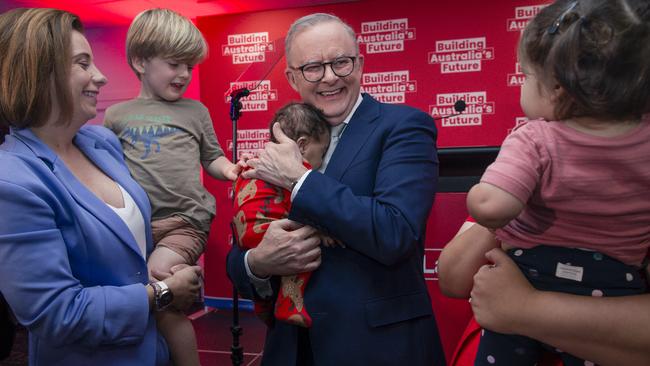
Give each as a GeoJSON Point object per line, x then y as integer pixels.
{"type": "Point", "coordinates": [166, 140]}
{"type": "Point", "coordinates": [257, 203]}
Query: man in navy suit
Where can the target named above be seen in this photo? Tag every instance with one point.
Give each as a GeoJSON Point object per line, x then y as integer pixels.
{"type": "Point", "coordinates": [368, 300]}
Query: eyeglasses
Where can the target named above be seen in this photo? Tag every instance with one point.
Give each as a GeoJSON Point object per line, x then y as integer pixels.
{"type": "Point", "coordinates": [315, 71]}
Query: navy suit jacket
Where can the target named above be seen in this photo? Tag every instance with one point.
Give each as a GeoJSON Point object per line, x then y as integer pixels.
{"type": "Point", "coordinates": [369, 301]}
{"type": "Point", "coordinates": [69, 266]}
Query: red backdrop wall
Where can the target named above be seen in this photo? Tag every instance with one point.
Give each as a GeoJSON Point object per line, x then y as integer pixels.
{"type": "Point", "coordinates": [424, 55]}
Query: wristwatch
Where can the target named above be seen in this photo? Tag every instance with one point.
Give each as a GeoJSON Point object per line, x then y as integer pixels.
{"type": "Point", "coordinates": [162, 295]}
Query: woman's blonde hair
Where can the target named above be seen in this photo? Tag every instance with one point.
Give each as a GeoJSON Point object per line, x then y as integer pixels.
{"type": "Point", "coordinates": [35, 61]}
{"type": "Point", "coordinates": [167, 34]}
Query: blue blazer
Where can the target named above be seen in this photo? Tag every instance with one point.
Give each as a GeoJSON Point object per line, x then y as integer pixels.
{"type": "Point", "coordinates": [369, 301]}
{"type": "Point", "coordinates": [69, 266]}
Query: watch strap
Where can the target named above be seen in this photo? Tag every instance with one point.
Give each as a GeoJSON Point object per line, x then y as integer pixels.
{"type": "Point", "coordinates": [163, 285]}
{"type": "Point", "coordinates": [156, 290]}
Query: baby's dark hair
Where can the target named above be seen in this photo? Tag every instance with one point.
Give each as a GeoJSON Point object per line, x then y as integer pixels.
{"type": "Point", "coordinates": [597, 51]}
{"type": "Point", "coordinates": [300, 119]}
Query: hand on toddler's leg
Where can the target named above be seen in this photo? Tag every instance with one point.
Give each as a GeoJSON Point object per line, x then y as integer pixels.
{"type": "Point", "coordinates": [161, 261]}
{"type": "Point", "coordinates": [172, 323]}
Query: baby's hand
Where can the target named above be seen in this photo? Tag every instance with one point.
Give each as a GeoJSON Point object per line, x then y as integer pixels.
{"type": "Point", "coordinates": [330, 242]}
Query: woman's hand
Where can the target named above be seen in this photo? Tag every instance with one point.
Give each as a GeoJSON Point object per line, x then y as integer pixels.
{"type": "Point", "coordinates": [500, 294]}
{"type": "Point", "coordinates": [185, 283]}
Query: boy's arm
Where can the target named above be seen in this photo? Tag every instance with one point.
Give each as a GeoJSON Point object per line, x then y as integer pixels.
{"type": "Point", "coordinates": [491, 206]}
{"type": "Point", "coordinates": [462, 257]}
{"type": "Point", "coordinates": [213, 160]}
{"type": "Point", "coordinates": [221, 168]}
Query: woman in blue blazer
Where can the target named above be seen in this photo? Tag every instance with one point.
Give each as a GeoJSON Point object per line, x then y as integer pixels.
{"type": "Point", "coordinates": [74, 230]}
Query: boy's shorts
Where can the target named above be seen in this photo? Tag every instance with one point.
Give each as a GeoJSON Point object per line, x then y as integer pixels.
{"type": "Point", "coordinates": [180, 236]}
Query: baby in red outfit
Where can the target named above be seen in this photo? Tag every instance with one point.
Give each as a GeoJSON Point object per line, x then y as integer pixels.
{"type": "Point", "coordinates": [257, 203]}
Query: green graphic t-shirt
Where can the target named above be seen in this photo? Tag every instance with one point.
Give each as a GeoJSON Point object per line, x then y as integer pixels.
{"type": "Point", "coordinates": [164, 144]}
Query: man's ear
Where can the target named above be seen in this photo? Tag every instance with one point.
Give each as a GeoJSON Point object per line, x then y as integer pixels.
{"type": "Point", "coordinates": [138, 64]}
{"type": "Point", "coordinates": [291, 78]}
{"type": "Point", "coordinates": [302, 143]}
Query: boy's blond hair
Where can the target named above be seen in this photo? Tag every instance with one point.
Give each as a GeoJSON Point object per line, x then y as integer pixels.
{"type": "Point", "coordinates": [166, 34]}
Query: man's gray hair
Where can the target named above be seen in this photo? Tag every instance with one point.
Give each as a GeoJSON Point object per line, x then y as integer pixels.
{"type": "Point", "coordinates": [311, 20]}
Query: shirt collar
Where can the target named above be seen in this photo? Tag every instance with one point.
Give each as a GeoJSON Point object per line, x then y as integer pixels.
{"type": "Point", "coordinates": [338, 129]}
{"type": "Point", "coordinates": [354, 109]}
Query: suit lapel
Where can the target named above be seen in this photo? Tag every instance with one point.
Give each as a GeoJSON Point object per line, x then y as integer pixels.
{"type": "Point", "coordinates": [110, 166]}
{"type": "Point", "coordinates": [84, 197]}
{"type": "Point", "coordinates": [354, 137]}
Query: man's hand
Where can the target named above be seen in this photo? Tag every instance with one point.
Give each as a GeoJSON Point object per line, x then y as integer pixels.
{"type": "Point", "coordinates": [500, 294]}
{"type": "Point", "coordinates": [287, 248]}
{"type": "Point", "coordinates": [279, 164]}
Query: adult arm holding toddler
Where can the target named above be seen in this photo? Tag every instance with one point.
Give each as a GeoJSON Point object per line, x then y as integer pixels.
{"type": "Point", "coordinates": [167, 139]}
{"type": "Point", "coordinates": [74, 230]}
{"type": "Point", "coordinates": [608, 331]}
{"type": "Point", "coordinates": [552, 190]}
{"type": "Point", "coordinates": [605, 330]}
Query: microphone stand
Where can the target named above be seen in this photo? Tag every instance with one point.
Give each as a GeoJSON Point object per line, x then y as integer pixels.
{"type": "Point", "coordinates": [236, 350]}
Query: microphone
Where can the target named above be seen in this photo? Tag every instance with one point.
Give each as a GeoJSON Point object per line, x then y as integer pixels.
{"type": "Point", "coordinates": [239, 93]}
{"type": "Point", "coordinates": [459, 107]}
{"type": "Point", "coordinates": [235, 104]}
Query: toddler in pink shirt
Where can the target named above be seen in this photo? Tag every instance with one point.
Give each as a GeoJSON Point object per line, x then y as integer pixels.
{"type": "Point", "coordinates": [568, 194]}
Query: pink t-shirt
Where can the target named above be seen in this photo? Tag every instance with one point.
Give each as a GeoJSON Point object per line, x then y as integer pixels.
{"type": "Point", "coordinates": [581, 191]}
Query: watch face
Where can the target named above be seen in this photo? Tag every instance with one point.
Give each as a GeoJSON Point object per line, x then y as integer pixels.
{"type": "Point", "coordinates": [166, 298]}
{"type": "Point", "coordinates": [164, 295]}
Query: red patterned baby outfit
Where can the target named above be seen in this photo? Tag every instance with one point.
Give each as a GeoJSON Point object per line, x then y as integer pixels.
{"type": "Point", "coordinates": [257, 204]}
